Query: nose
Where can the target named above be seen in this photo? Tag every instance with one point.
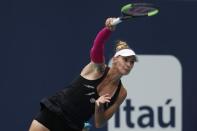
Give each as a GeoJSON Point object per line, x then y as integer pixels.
{"type": "Point", "coordinates": [130, 64]}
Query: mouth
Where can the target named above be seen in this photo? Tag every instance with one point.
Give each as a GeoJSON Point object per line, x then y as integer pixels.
{"type": "Point", "coordinates": [127, 69]}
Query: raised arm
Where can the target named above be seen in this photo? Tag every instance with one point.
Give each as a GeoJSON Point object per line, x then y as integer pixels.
{"type": "Point", "coordinates": [96, 67]}
{"type": "Point", "coordinates": [97, 50]}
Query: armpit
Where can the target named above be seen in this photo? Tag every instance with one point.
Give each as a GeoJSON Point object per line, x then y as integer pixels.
{"type": "Point", "coordinates": [98, 67]}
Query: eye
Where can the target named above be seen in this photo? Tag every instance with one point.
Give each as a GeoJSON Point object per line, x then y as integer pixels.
{"type": "Point", "coordinates": [128, 59]}
{"type": "Point", "coordinates": [125, 59]}
{"type": "Point", "coordinates": [132, 61]}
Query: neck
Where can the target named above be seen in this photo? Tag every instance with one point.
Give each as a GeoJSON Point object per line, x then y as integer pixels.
{"type": "Point", "coordinates": [113, 75]}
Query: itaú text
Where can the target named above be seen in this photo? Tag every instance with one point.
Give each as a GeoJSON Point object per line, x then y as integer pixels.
{"type": "Point", "coordinates": [147, 116]}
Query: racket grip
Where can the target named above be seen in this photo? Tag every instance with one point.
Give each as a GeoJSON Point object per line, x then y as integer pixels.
{"type": "Point", "coordinates": [116, 21]}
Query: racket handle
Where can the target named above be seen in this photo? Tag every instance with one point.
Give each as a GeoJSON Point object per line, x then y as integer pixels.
{"type": "Point", "coordinates": [116, 21]}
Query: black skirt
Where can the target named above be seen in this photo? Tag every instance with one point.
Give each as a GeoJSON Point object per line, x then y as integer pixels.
{"type": "Point", "coordinates": [52, 121]}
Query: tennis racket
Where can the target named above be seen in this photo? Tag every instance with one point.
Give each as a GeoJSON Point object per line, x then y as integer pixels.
{"type": "Point", "coordinates": [135, 10]}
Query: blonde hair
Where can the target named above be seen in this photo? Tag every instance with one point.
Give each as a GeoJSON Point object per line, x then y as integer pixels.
{"type": "Point", "coordinates": [121, 45]}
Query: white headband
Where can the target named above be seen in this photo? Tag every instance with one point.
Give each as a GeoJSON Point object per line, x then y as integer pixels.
{"type": "Point", "coordinates": [125, 52]}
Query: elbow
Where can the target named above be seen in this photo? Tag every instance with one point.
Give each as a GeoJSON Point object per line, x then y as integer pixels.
{"type": "Point", "coordinates": [97, 125]}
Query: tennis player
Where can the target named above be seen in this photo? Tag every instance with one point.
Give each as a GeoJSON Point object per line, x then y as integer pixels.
{"type": "Point", "coordinates": [97, 91]}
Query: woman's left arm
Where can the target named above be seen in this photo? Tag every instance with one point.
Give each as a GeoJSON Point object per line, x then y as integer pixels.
{"type": "Point", "coordinates": [101, 115]}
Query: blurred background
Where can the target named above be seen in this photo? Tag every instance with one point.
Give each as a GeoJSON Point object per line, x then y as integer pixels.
{"type": "Point", "coordinates": [44, 44]}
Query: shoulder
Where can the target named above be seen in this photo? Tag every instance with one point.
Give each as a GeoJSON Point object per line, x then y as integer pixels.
{"type": "Point", "coordinates": [99, 67]}
{"type": "Point", "coordinates": [93, 70]}
{"type": "Point", "coordinates": [94, 67]}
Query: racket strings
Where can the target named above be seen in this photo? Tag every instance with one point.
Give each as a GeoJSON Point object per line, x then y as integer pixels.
{"type": "Point", "coordinates": [140, 10]}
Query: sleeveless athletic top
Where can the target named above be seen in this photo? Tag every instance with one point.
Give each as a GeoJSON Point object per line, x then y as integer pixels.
{"type": "Point", "coordinates": [76, 103]}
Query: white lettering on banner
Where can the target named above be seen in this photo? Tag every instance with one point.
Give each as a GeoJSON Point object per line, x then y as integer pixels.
{"type": "Point", "coordinates": [154, 98]}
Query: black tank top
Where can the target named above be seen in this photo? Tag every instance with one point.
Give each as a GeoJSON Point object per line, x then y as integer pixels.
{"type": "Point", "coordinates": [76, 102]}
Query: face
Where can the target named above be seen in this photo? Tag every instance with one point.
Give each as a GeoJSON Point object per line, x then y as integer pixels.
{"type": "Point", "coordinates": [124, 64]}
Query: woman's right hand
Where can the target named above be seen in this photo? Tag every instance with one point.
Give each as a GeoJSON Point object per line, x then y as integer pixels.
{"type": "Point", "coordinates": [108, 24]}
{"type": "Point", "coordinates": [102, 100]}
